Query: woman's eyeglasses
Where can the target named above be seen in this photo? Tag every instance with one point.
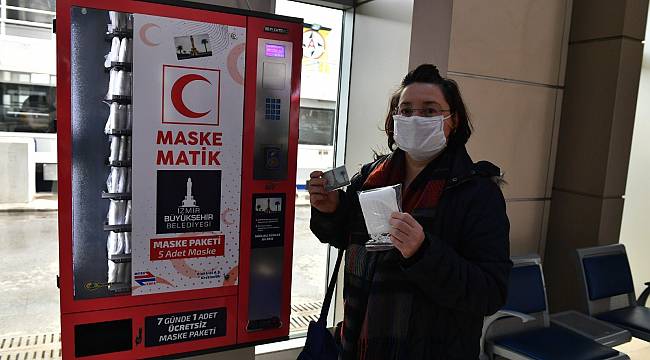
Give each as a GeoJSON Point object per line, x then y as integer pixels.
{"type": "Point", "coordinates": [428, 112]}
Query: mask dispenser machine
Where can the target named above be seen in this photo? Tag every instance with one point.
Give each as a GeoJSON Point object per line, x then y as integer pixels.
{"type": "Point", "coordinates": [177, 145]}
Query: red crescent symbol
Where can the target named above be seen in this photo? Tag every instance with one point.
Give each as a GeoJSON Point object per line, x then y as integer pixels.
{"type": "Point", "coordinates": [224, 216]}
{"type": "Point", "coordinates": [177, 95]}
{"type": "Point", "coordinates": [143, 34]}
{"type": "Point", "coordinates": [184, 269]}
{"type": "Point", "coordinates": [233, 56]}
{"type": "Point", "coordinates": [233, 276]}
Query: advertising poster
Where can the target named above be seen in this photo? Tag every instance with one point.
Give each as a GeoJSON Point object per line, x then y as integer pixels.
{"type": "Point", "coordinates": [187, 147]}
{"type": "Point", "coordinates": [319, 64]}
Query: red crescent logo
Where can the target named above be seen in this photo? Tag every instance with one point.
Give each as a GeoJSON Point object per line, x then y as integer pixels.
{"type": "Point", "coordinates": [224, 216]}
{"type": "Point", "coordinates": [177, 95]}
{"type": "Point", "coordinates": [143, 34]}
{"type": "Point", "coordinates": [233, 56]}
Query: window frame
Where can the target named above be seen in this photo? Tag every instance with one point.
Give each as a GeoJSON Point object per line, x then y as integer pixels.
{"type": "Point", "coordinates": [4, 20]}
{"type": "Point", "coordinates": [340, 141]}
{"type": "Point", "coordinates": [296, 340]}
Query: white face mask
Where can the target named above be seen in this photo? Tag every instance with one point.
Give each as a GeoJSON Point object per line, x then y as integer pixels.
{"type": "Point", "coordinates": [421, 137]}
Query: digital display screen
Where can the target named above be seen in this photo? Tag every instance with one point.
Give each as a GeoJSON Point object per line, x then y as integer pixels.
{"type": "Point", "coordinates": [274, 50]}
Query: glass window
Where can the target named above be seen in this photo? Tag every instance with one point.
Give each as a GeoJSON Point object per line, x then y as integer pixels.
{"type": "Point", "coordinates": [316, 126]}
{"type": "Point", "coordinates": [19, 77]}
{"type": "Point", "coordinates": [40, 79]}
{"type": "Point", "coordinates": [29, 16]}
{"type": "Point", "coordinates": [318, 93]}
{"type": "Point", "coordinates": [47, 5]}
{"type": "Point", "coordinates": [27, 108]}
{"type": "Point", "coordinates": [40, 13]}
{"type": "Point", "coordinates": [28, 31]}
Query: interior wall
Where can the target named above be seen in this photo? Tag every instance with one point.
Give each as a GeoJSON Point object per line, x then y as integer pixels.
{"type": "Point", "coordinates": [380, 54]}
{"type": "Point", "coordinates": [635, 234]}
{"type": "Point", "coordinates": [508, 57]}
{"type": "Point", "coordinates": [602, 78]}
{"type": "Point", "coordinates": [430, 30]}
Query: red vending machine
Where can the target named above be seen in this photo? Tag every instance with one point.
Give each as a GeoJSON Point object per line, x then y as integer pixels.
{"type": "Point", "coordinates": [177, 142]}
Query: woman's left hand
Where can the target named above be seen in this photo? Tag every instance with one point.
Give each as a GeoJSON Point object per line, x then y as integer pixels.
{"type": "Point", "coordinates": [406, 233]}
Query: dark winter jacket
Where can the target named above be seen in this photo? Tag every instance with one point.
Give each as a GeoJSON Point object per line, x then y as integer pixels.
{"type": "Point", "coordinates": [459, 274]}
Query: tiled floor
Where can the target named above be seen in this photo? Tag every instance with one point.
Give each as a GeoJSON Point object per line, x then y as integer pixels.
{"type": "Point", "coordinates": [636, 349]}
{"type": "Point", "coordinates": [28, 269]}
{"type": "Point", "coordinates": [41, 347]}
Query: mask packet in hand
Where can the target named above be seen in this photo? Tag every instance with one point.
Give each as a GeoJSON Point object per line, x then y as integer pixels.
{"type": "Point", "coordinates": [377, 205]}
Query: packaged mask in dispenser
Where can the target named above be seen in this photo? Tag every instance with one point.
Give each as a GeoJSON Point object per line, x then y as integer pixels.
{"type": "Point", "coordinates": [113, 55]}
{"type": "Point", "coordinates": [117, 118]}
{"type": "Point", "coordinates": [111, 244]}
{"type": "Point", "coordinates": [127, 242]}
{"type": "Point", "coordinates": [129, 22]}
{"type": "Point", "coordinates": [129, 118]}
{"type": "Point", "coordinates": [119, 21]}
{"type": "Point", "coordinates": [115, 149]}
{"type": "Point", "coordinates": [129, 84]}
{"type": "Point", "coordinates": [125, 52]}
{"type": "Point", "coordinates": [112, 84]}
{"type": "Point", "coordinates": [114, 244]}
{"type": "Point", "coordinates": [129, 148]}
{"type": "Point", "coordinates": [377, 205]}
{"type": "Point", "coordinates": [127, 217]}
{"type": "Point", "coordinates": [125, 275]}
{"type": "Point", "coordinates": [111, 122]}
{"type": "Point", "coordinates": [112, 272]}
{"type": "Point", "coordinates": [114, 20]}
{"type": "Point", "coordinates": [128, 181]}
{"type": "Point", "coordinates": [122, 180]}
{"type": "Point", "coordinates": [122, 83]}
{"type": "Point", "coordinates": [122, 240]}
{"type": "Point", "coordinates": [125, 149]}
{"type": "Point", "coordinates": [116, 212]}
{"type": "Point", "coordinates": [120, 272]}
{"type": "Point", "coordinates": [111, 181]}
{"type": "Point", "coordinates": [112, 216]}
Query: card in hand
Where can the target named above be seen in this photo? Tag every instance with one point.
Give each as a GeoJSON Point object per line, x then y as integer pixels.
{"type": "Point", "coordinates": [336, 178]}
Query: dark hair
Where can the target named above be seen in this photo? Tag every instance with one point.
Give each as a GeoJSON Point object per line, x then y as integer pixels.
{"type": "Point", "coordinates": [429, 74]}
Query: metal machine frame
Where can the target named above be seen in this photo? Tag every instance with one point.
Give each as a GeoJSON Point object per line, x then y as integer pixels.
{"type": "Point", "coordinates": [234, 298]}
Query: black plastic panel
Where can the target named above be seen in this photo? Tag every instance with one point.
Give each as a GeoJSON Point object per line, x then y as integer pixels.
{"type": "Point", "coordinates": [103, 337]}
{"type": "Point", "coordinates": [265, 292]}
{"type": "Point", "coordinates": [89, 84]}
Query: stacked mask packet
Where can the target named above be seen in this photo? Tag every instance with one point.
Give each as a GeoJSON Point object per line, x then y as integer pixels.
{"type": "Point", "coordinates": [377, 205]}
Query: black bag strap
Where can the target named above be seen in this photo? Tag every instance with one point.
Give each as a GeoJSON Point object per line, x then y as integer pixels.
{"type": "Point", "coordinates": [365, 171]}
{"type": "Point", "coordinates": [330, 288]}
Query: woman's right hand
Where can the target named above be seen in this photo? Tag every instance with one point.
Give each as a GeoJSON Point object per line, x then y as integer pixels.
{"type": "Point", "coordinates": [322, 200]}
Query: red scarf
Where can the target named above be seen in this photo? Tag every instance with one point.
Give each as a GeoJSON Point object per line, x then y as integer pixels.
{"type": "Point", "coordinates": [392, 171]}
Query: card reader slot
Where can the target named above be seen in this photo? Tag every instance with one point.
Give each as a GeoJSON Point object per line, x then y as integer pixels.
{"type": "Point", "coordinates": [264, 324]}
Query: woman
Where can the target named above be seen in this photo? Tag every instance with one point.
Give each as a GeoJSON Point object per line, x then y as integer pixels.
{"type": "Point", "coordinates": [426, 298]}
